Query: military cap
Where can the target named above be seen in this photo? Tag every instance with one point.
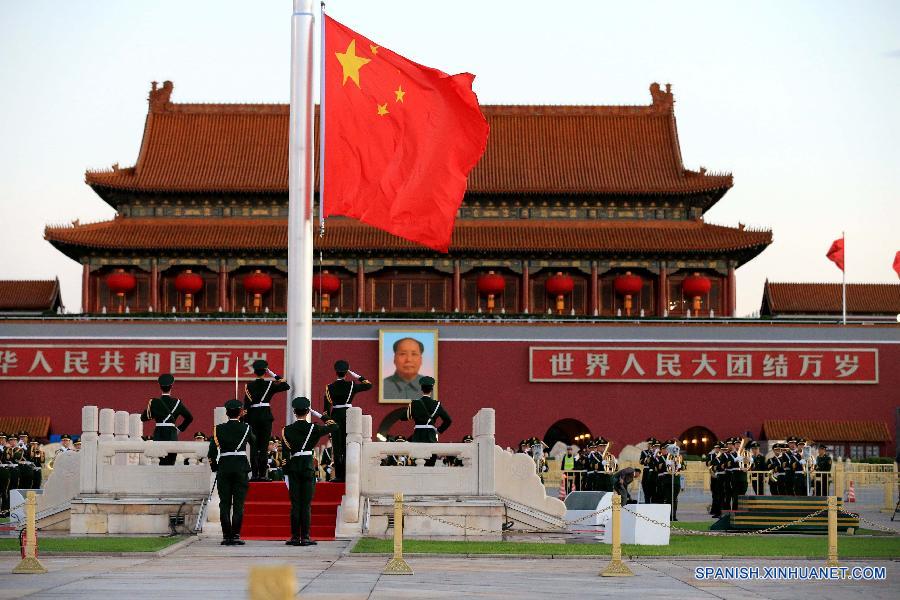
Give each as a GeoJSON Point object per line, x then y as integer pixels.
{"type": "Point", "coordinates": [523, 443]}
{"type": "Point", "coordinates": [650, 440]}
{"type": "Point", "coordinates": [720, 445]}
{"type": "Point", "coordinates": [2, 435]}
{"type": "Point", "coordinates": [426, 381]}
{"type": "Point", "coordinates": [823, 446]}
{"type": "Point", "coordinates": [399, 438]}
{"type": "Point", "coordinates": [22, 434]}
{"type": "Point", "coordinates": [34, 442]}
{"type": "Point", "coordinates": [199, 436]}
{"type": "Point", "coordinates": [78, 441]}
{"type": "Point", "coordinates": [64, 436]}
{"type": "Point", "coordinates": [300, 403]}
{"type": "Point", "coordinates": [341, 366]}
{"type": "Point", "coordinates": [272, 440]}
{"type": "Point", "coordinates": [753, 445]}
{"type": "Point", "coordinates": [233, 404]}
{"type": "Point", "coordinates": [165, 380]}
{"type": "Point", "coordinates": [655, 443]}
{"type": "Point", "coordinates": [669, 442]}
{"type": "Point", "coordinates": [800, 440]}
{"type": "Point", "coordinates": [467, 438]}
{"type": "Point", "coordinates": [260, 365]}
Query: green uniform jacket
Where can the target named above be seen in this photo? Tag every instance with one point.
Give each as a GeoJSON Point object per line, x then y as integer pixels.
{"type": "Point", "coordinates": [167, 409]}
{"type": "Point", "coordinates": [261, 391]}
{"type": "Point", "coordinates": [302, 436]}
{"type": "Point", "coordinates": [232, 436]}
{"type": "Point", "coordinates": [426, 411]}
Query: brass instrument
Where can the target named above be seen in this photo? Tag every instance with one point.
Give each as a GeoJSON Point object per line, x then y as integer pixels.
{"type": "Point", "coordinates": [745, 457]}
{"type": "Point", "coordinates": [677, 460]}
{"type": "Point", "coordinates": [610, 462]}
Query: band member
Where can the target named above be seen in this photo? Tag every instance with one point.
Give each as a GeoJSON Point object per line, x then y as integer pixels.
{"type": "Point", "coordinates": [36, 457]}
{"type": "Point", "coordinates": [199, 436]}
{"type": "Point", "coordinates": [338, 398]}
{"type": "Point", "coordinates": [608, 465]}
{"type": "Point", "coordinates": [800, 480]}
{"type": "Point", "coordinates": [592, 463]}
{"type": "Point", "coordinates": [758, 468]}
{"type": "Point", "coordinates": [165, 410]}
{"type": "Point", "coordinates": [823, 472]}
{"type": "Point", "coordinates": [274, 461]}
{"type": "Point", "coordinates": [791, 464]}
{"type": "Point", "coordinates": [648, 480]}
{"type": "Point", "coordinates": [668, 477]}
{"type": "Point", "coordinates": [228, 459]}
{"type": "Point", "coordinates": [738, 475]}
{"type": "Point", "coordinates": [775, 467]}
{"type": "Point", "coordinates": [5, 469]}
{"type": "Point", "coordinates": [300, 437]}
{"type": "Point", "coordinates": [424, 412]}
{"type": "Point", "coordinates": [718, 464]}
{"type": "Point", "coordinates": [258, 396]}
{"type": "Point", "coordinates": [23, 465]}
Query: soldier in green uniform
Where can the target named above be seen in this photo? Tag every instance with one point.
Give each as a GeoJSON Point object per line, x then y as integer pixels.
{"type": "Point", "coordinates": [775, 466]}
{"type": "Point", "coordinates": [339, 396]}
{"type": "Point", "coordinates": [5, 468]}
{"type": "Point", "coordinates": [668, 477]}
{"type": "Point", "coordinates": [424, 412]}
{"type": "Point", "coordinates": [257, 399]}
{"type": "Point", "coordinates": [165, 410]}
{"type": "Point", "coordinates": [228, 460]}
{"type": "Point", "coordinates": [36, 457]}
{"type": "Point", "coordinates": [300, 438]}
{"type": "Point", "coordinates": [23, 465]}
{"type": "Point", "coordinates": [823, 471]}
{"type": "Point", "coordinates": [718, 463]}
{"type": "Point", "coordinates": [648, 480]}
{"type": "Point", "coordinates": [758, 477]}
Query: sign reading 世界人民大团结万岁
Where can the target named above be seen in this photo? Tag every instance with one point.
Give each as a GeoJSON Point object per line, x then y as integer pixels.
{"type": "Point", "coordinates": [202, 362]}
{"type": "Point", "coordinates": [690, 364]}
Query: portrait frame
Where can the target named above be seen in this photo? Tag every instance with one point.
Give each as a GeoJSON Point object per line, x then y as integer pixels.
{"type": "Point", "coordinates": [428, 342]}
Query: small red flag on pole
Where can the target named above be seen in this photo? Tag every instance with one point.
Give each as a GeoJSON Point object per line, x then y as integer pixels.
{"type": "Point", "coordinates": [897, 263]}
{"type": "Point", "coordinates": [836, 253]}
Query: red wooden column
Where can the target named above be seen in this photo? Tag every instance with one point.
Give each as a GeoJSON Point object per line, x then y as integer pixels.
{"type": "Point", "coordinates": [86, 288]}
{"type": "Point", "coordinates": [360, 287]}
{"type": "Point", "coordinates": [223, 285]}
{"type": "Point", "coordinates": [457, 287]}
{"type": "Point", "coordinates": [154, 285]}
{"type": "Point", "coordinates": [595, 289]}
{"type": "Point", "coordinates": [662, 292]}
{"type": "Point", "coordinates": [526, 293]}
{"type": "Point", "coordinates": [732, 292]}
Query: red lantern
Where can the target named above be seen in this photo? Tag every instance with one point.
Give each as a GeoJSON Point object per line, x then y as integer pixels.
{"type": "Point", "coordinates": [188, 283]}
{"type": "Point", "coordinates": [628, 285]}
{"type": "Point", "coordinates": [490, 284]}
{"type": "Point", "coordinates": [326, 284]}
{"type": "Point", "coordinates": [257, 283]}
{"type": "Point", "coordinates": [559, 285]}
{"type": "Point", "coordinates": [120, 283]}
{"type": "Point", "coordinates": [696, 286]}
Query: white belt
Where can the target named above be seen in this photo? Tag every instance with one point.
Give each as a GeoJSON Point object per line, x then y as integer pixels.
{"type": "Point", "coordinates": [165, 424]}
{"type": "Point", "coordinates": [342, 406]}
{"type": "Point", "coordinates": [259, 404]}
{"type": "Point", "coordinates": [244, 454]}
{"type": "Point", "coordinates": [426, 427]}
{"type": "Point", "coordinates": [302, 453]}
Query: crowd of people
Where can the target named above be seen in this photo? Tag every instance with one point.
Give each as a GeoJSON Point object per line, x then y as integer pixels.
{"type": "Point", "coordinates": [22, 461]}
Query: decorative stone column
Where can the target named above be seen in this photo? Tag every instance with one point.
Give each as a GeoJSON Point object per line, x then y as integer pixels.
{"type": "Point", "coordinates": [120, 432]}
{"type": "Point", "coordinates": [457, 287]}
{"type": "Point", "coordinates": [86, 288]}
{"type": "Point", "coordinates": [353, 457]}
{"type": "Point", "coordinates": [88, 453]}
{"type": "Point", "coordinates": [107, 424]}
{"type": "Point", "coordinates": [483, 432]}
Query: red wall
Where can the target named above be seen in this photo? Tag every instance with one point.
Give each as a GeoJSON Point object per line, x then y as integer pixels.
{"type": "Point", "coordinates": [475, 374]}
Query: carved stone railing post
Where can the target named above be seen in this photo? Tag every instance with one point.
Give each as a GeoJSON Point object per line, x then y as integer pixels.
{"type": "Point", "coordinates": [483, 432]}
{"type": "Point", "coordinates": [135, 426]}
{"type": "Point", "coordinates": [350, 502]}
{"type": "Point", "coordinates": [120, 432]}
{"type": "Point", "coordinates": [107, 427]}
{"type": "Point", "coordinates": [88, 454]}
{"type": "Point", "coordinates": [219, 417]}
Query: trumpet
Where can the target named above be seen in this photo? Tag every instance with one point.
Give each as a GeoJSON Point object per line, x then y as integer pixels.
{"type": "Point", "coordinates": [745, 457]}
{"type": "Point", "coordinates": [610, 462]}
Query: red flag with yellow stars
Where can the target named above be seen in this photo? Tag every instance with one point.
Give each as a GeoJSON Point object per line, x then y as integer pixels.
{"type": "Point", "coordinates": [400, 139]}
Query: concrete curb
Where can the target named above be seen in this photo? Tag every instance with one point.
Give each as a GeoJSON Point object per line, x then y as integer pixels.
{"type": "Point", "coordinates": [669, 557]}
{"type": "Point", "coordinates": [149, 554]}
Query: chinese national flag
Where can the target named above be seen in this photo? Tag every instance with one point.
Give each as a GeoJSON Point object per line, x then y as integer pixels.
{"type": "Point", "coordinates": [897, 263]}
{"type": "Point", "coordinates": [836, 253]}
{"type": "Point", "coordinates": [400, 139]}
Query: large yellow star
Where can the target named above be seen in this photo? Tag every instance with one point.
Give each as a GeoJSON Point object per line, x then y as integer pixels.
{"type": "Point", "coordinates": [400, 93]}
{"type": "Point", "coordinates": [351, 63]}
{"type": "Point", "coordinates": [382, 109]}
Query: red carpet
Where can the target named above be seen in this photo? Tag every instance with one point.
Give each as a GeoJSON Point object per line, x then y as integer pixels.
{"type": "Point", "coordinates": [267, 511]}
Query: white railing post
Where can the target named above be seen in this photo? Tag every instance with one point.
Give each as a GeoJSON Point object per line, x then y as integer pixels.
{"type": "Point", "coordinates": [120, 432]}
{"type": "Point", "coordinates": [483, 432]}
{"type": "Point", "coordinates": [219, 417]}
{"type": "Point", "coordinates": [353, 457]}
{"type": "Point", "coordinates": [88, 454]}
{"type": "Point", "coordinates": [107, 425]}
{"type": "Point", "coordinates": [135, 426]}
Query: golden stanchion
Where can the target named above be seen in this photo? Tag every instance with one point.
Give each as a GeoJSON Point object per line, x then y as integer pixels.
{"type": "Point", "coordinates": [832, 533]}
{"type": "Point", "coordinates": [398, 566]}
{"type": "Point", "coordinates": [273, 583]}
{"type": "Point", "coordinates": [616, 568]}
{"type": "Point", "coordinates": [30, 562]}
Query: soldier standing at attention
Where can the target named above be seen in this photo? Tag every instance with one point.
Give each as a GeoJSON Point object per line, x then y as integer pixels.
{"type": "Point", "coordinates": [338, 398]}
{"type": "Point", "coordinates": [257, 399]}
{"type": "Point", "coordinates": [5, 468]}
{"type": "Point", "coordinates": [823, 472]}
{"type": "Point", "coordinates": [165, 410]}
{"type": "Point", "coordinates": [718, 474]}
{"type": "Point", "coordinates": [758, 477]}
{"type": "Point", "coordinates": [424, 412]}
{"type": "Point", "coordinates": [300, 438]}
{"type": "Point", "coordinates": [228, 460]}
{"type": "Point", "coordinates": [648, 481]}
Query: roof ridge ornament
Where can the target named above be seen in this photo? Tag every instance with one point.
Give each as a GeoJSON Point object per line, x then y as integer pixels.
{"type": "Point", "coordinates": [160, 97]}
{"type": "Point", "coordinates": [663, 101]}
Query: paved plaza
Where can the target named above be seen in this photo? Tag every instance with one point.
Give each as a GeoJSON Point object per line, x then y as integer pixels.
{"type": "Point", "coordinates": [329, 571]}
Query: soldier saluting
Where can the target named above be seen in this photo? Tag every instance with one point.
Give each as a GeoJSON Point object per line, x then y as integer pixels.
{"type": "Point", "coordinates": [300, 438]}
{"type": "Point", "coordinates": [338, 398]}
{"type": "Point", "coordinates": [165, 410]}
{"type": "Point", "coordinates": [424, 412]}
{"type": "Point", "coordinates": [228, 460]}
{"type": "Point", "coordinates": [257, 399]}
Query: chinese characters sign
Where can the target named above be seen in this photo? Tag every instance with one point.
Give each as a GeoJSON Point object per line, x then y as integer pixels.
{"type": "Point", "coordinates": [704, 365]}
{"type": "Point", "coordinates": [139, 361]}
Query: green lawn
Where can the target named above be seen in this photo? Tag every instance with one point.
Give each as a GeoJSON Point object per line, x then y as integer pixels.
{"type": "Point", "coordinates": [680, 545]}
{"type": "Point", "coordinates": [96, 544]}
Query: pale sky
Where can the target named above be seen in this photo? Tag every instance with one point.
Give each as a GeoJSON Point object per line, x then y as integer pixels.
{"type": "Point", "coordinates": [800, 100]}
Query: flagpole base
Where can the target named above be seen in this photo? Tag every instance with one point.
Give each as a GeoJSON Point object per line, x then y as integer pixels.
{"type": "Point", "coordinates": [397, 566]}
{"type": "Point", "coordinates": [30, 566]}
{"type": "Point", "coordinates": [616, 568]}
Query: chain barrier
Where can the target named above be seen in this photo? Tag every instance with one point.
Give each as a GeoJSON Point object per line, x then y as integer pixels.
{"type": "Point", "coordinates": [12, 509]}
{"type": "Point", "coordinates": [417, 512]}
{"type": "Point", "coordinates": [723, 533]}
{"type": "Point", "coordinates": [871, 524]}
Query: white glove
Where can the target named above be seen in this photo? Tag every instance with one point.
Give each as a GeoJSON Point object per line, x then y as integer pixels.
{"type": "Point", "coordinates": [315, 413]}
{"type": "Point", "coordinates": [354, 374]}
{"type": "Point", "coordinates": [272, 373]}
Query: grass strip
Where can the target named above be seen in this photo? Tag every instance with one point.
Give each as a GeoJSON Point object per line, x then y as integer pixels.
{"type": "Point", "coordinates": [96, 544]}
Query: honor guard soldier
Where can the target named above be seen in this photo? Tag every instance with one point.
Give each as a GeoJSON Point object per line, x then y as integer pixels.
{"type": "Point", "coordinates": [257, 400]}
{"type": "Point", "coordinates": [775, 467]}
{"type": "Point", "coordinates": [718, 463]}
{"type": "Point", "coordinates": [300, 438]}
{"type": "Point", "coordinates": [165, 410]}
{"type": "Point", "coordinates": [424, 412]}
{"type": "Point", "coordinates": [326, 461]}
{"type": "Point", "coordinates": [65, 443]}
{"type": "Point", "coordinates": [36, 457]}
{"type": "Point", "coordinates": [823, 471]}
{"type": "Point", "coordinates": [274, 461]}
{"type": "Point", "coordinates": [792, 464]}
{"type": "Point", "coordinates": [338, 398]}
{"type": "Point", "coordinates": [228, 460]}
{"type": "Point", "coordinates": [758, 468]}
{"type": "Point", "coordinates": [648, 480]}
{"type": "Point", "coordinates": [800, 481]}
{"type": "Point", "coordinates": [668, 477]}
{"type": "Point", "coordinates": [5, 469]}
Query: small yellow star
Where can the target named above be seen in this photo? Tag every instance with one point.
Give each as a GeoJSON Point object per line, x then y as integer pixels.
{"type": "Point", "coordinates": [351, 63]}
{"type": "Point", "coordinates": [373, 48]}
{"type": "Point", "coordinates": [382, 109]}
{"type": "Point", "coordinates": [400, 93]}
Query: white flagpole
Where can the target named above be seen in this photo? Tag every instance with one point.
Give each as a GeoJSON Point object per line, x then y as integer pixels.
{"type": "Point", "coordinates": [322, 126]}
{"type": "Point", "coordinates": [844, 279]}
{"type": "Point", "coordinates": [298, 363]}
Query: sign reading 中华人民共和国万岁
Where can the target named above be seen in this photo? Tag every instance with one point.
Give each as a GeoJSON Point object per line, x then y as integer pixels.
{"type": "Point", "coordinates": [690, 364]}
{"type": "Point", "coordinates": [203, 362]}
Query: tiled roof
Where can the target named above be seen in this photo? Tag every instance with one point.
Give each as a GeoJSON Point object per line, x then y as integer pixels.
{"type": "Point", "coordinates": [473, 235]}
{"type": "Point", "coordinates": [531, 150]}
{"type": "Point", "coordinates": [29, 295]}
{"type": "Point", "coordinates": [37, 427]}
{"type": "Point", "coordinates": [827, 431]}
{"type": "Point", "coordinates": [825, 298]}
